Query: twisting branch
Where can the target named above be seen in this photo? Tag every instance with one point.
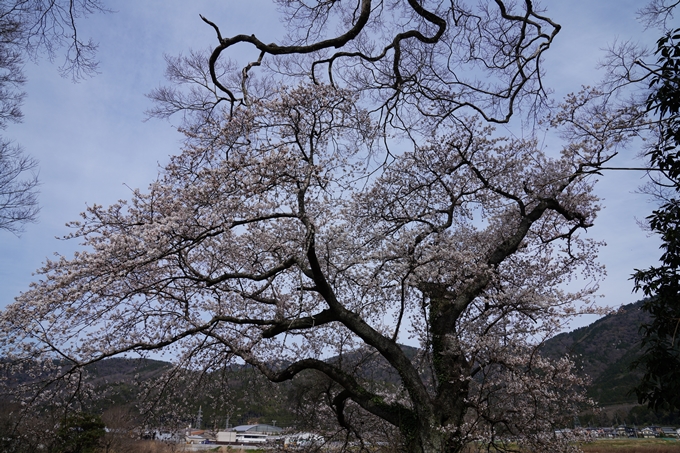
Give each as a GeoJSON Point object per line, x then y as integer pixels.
{"type": "Point", "coordinates": [418, 66]}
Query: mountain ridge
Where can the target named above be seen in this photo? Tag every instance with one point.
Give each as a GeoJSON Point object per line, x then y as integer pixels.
{"type": "Point", "coordinates": [604, 350]}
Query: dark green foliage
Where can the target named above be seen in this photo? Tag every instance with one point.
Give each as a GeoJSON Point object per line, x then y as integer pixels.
{"type": "Point", "coordinates": [643, 415]}
{"type": "Point", "coordinates": [660, 386]}
{"type": "Point", "coordinates": [80, 433]}
{"type": "Point", "coordinates": [615, 384]}
{"type": "Point", "coordinates": [665, 101]}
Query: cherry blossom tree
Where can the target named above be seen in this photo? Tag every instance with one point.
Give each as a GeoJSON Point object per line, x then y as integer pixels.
{"type": "Point", "coordinates": [272, 240]}
{"type": "Point", "coordinates": [296, 225]}
{"type": "Point", "coordinates": [407, 59]}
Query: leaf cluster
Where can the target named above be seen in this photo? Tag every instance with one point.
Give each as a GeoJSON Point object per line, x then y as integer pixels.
{"type": "Point", "coordinates": [664, 101]}
{"type": "Point", "coordinates": [660, 386]}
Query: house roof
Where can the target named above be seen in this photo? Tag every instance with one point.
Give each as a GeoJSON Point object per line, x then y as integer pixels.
{"type": "Point", "coordinates": [258, 428]}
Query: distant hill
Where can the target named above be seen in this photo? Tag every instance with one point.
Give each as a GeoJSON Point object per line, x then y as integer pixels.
{"type": "Point", "coordinates": [117, 380]}
{"type": "Point", "coordinates": [122, 368]}
{"type": "Point", "coordinates": [604, 350]}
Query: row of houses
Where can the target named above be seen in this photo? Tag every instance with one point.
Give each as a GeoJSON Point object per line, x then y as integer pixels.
{"type": "Point", "coordinates": [626, 431]}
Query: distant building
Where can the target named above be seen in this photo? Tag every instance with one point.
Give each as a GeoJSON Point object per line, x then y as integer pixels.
{"type": "Point", "coordinates": [249, 434]}
{"type": "Point", "coordinates": [226, 436]}
{"type": "Point", "coordinates": [648, 433]}
{"type": "Point", "coordinates": [669, 432]}
{"type": "Point", "coordinates": [196, 439]}
{"type": "Point", "coordinates": [266, 429]}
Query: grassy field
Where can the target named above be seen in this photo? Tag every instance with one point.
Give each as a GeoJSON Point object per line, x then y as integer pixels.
{"type": "Point", "coordinates": [599, 446]}
{"type": "Point", "coordinates": [632, 446]}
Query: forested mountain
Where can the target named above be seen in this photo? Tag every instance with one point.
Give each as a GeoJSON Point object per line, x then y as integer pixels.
{"type": "Point", "coordinates": [605, 350]}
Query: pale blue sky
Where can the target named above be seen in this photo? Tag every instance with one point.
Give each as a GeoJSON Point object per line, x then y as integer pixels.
{"type": "Point", "coordinates": [92, 142]}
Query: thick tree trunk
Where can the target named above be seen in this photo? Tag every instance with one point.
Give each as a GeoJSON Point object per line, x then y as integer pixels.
{"type": "Point", "coordinates": [431, 438]}
{"type": "Point", "coordinates": [451, 373]}
{"type": "Point", "coordinates": [442, 443]}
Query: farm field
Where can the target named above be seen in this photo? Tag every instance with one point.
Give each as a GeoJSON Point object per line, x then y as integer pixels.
{"type": "Point", "coordinates": [632, 446]}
